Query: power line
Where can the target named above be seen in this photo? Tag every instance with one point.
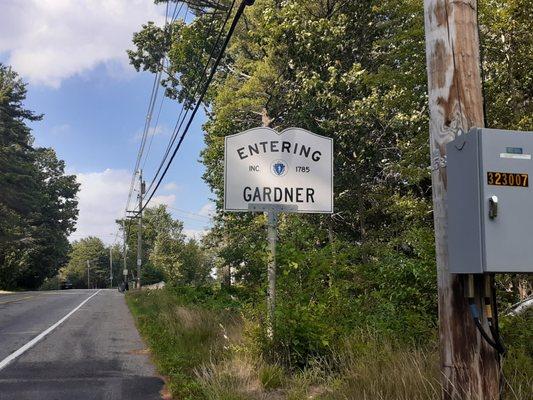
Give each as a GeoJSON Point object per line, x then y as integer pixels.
{"type": "Point", "coordinates": [180, 120]}
{"type": "Point", "coordinates": [151, 104]}
{"type": "Point", "coordinates": [174, 14]}
{"type": "Point", "coordinates": [172, 138]}
{"type": "Point", "coordinates": [147, 123]}
{"type": "Point", "coordinates": [154, 131]}
{"type": "Point", "coordinates": [190, 213]}
{"type": "Point", "coordinates": [238, 15]}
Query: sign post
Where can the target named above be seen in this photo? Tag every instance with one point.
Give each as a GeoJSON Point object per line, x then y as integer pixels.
{"type": "Point", "coordinates": [273, 172]}
{"type": "Point", "coordinates": [272, 236]}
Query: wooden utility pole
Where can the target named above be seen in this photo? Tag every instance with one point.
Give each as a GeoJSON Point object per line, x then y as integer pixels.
{"type": "Point", "coordinates": [88, 274]}
{"type": "Point", "coordinates": [139, 231]}
{"type": "Point", "coordinates": [124, 248]}
{"type": "Point", "coordinates": [111, 266]}
{"type": "Point", "coordinates": [469, 365]}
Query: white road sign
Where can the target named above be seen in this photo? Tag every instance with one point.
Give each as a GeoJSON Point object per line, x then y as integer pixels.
{"type": "Point", "coordinates": [289, 171]}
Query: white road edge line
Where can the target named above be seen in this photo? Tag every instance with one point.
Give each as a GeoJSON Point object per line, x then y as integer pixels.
{"type": "Point", "coordinates": [17, 353]}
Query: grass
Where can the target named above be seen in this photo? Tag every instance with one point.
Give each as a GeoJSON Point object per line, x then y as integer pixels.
{"type": "Point", "coordinates": [206, 353]}
{"type": "Point", "coordinates": [181, 338]}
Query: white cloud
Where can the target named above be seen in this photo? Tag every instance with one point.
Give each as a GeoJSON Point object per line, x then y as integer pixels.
{"type": "Point", "coordinates": [168, 200]}
{"type": "Point", "coordinates": [208, 210]}
{"type": "Point", "coordinates": [159, 130]}
{"type": "Point", "coordinates": [101, 199]}
{"type": "Point", "coordinates": [196, 234]}
{"type": "Point", "coordinates": [60, 129]}
{"type": "Point", "coordinates": [47, 41]}
{"type": "Point", "coordinates": [170, 187]}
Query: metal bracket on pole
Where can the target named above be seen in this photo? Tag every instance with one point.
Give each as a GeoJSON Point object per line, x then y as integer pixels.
{"type": "Point", "coordinates": [276, 208]}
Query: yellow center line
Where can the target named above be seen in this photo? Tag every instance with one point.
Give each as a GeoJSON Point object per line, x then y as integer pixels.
{"type": "Point", "coordinates": [15, 300]}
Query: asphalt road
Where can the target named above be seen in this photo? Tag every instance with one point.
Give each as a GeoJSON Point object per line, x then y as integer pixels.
{"type": "Point", "coordinates": [95, 353]}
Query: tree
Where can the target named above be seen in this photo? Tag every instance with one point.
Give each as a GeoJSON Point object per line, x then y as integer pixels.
{"type": "Point", "coordinates": [90, 250]}
{"type": "Point", "coordinates": [19, 195]}
{"type": "Point", "coordinates": [37, 201]}
{"type": "Point", "coordinates": [157, 223]}
{"type": "Point", "coordinates": [55, 220]}
{"type": "Point", "coordinates": [318, 66]}
{"type": "Point", "coordinates": [353, 71]}
{"type": "Point", "coordinates": [507, 58]}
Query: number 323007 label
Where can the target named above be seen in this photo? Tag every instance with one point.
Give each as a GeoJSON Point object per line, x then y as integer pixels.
{"type": "Point", "coordinates": [507, 179]}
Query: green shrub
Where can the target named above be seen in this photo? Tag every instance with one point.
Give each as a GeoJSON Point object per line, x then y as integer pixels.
{"type": "Point", "coordinates": [271, 376]}
{"type": "Point", "coordinates": [181, 338]}
{"type": "Point", "coordinates": [517, 333]}
{"type": "Point", "coordinates": [50, 283]}
{"type": "Point", "coordinates": [211, 352]}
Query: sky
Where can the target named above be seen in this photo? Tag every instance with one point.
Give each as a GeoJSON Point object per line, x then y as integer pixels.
{"type": "Point", "coordinates": [73, 56]}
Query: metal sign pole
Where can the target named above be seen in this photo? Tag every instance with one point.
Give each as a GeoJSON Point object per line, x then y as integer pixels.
{"type": "Point", "coordinates": [271, 172]}
{"type": "Point", "coordinates": [272, 235]}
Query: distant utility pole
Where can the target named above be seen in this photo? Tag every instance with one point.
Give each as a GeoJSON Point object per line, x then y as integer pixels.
{"type": "Point", "coordinates": [125, 271]}
{"type": "Point", "coordinates": [88, 274]}
{"type": "Point", "coordinates": [139, 231]}
{"type": "Point", "coordinates": [470, 367]}
{"type": "Point", "coordinates": [111, 266]}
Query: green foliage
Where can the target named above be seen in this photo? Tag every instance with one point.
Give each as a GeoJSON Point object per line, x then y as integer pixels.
{"type": "Point", "coordinates": [90, 250]}
{"type": "Point", "coordinates": [388, 289]}
{"type": "Point", "coordinates": [353, 71]}
{"type": "Point", "coordinates": [208, 297]}
{"type": "Point", "coordinates": [52, 283]}
{"type": "Point", "coordinates": [181, 338]}
{"type": "Point", "coordinates": [205, 349]}
{"type": "Point", "coordinates": [163, 240]}
{"type": "Point", "coordinates": [166, 254]}
{"type": "Point", "coordinates": [271, 377]}
{"type": "Point", "coordinates": [507, 58]}
{"type": "Point", "coordinates": [38, 207]}
{"type": "Point", "coordinates": [517, 333]}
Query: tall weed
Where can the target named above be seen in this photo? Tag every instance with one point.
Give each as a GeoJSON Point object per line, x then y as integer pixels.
{"type": "Point", "coordinates": [211, 352]}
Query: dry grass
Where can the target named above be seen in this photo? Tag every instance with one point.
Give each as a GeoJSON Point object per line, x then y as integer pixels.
{"type": "Point", "coordinates": [376, 371]}
{"type": "Point", "coordinates": [206, 355]}
{"type": "Point", "coordinates": [382, 371]}
{"type": "Point", "coordinates": [234, 378]}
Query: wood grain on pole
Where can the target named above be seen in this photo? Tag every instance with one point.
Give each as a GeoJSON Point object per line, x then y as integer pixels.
{"type": "Point", "coordinates": [470, 366]}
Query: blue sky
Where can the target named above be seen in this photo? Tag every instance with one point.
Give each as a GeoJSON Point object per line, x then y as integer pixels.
{"type": "Point", "coordinates": [95, 108]}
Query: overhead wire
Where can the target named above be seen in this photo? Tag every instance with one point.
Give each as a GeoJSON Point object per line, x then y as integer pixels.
{"type": "Point", "coordinates": [208, 218]}
{"type": "Point", "coordinates": [236, 19]}
{"type": "Point", "coordinates": [156, 125]}
{"type": "Point", "coordinates": [154, 130]}
{"type": "Point", "coordinates": [151, 104]}
{"type": "Point", "coordinates": [146, 129]}
{"type": "Point", "coordinates": [181, 118]}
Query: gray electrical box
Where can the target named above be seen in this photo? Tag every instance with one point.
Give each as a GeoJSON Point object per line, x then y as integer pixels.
{"type": "Point", "coordinates": [490, 202]}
